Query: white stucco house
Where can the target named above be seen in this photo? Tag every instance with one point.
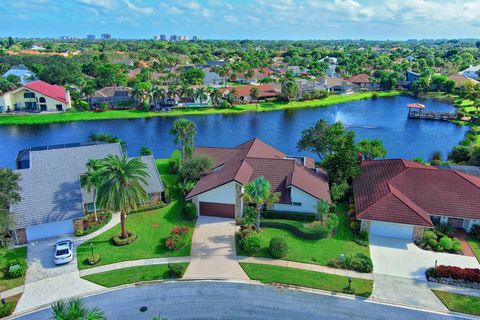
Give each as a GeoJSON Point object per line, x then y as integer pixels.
{"type": "Point", "coordinates": [219, 193]}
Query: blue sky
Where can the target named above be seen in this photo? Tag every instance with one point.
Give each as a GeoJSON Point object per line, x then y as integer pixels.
{"type": "Point", "coordinates": [243, 19]}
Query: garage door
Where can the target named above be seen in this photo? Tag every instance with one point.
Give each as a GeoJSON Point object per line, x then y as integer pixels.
{"type": "Point", "coordinates": [48, 230]}
{"type": "Point", "coordinates": [217, 209]}
{"type": "Point", "coordinates": [391, 230]}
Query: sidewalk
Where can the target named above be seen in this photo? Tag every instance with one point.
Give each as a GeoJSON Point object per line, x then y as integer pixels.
{"type": "Point", "coordinates": [306, 266]}
{"type": "Point", "coordinates": [112, 223]}
{"type": "Point", "coordinates": [133, 263]}
{"type": "Point", "coordinates": [454, 289]}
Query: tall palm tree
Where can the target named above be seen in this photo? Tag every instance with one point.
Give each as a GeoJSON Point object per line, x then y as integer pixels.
{"type": "Point", "coordinates": [254, 93]}
{"type": "Point", "coordinates": [159, 94]}
{"type": "Point", "coordinates": [258, 193]}
{"type": "Point", "coordinates": [184, 131]}
{"type": "Point", "coordinates": [121, 186]}
{"type": "Point", "coordinates": [172, 91]}
{"type": "Point", "coordinates": [201, 94]}
{"type": "Point", "coordinates": [75, 309]}
{"type": "Point", "coordinates": [215, 96]}
{"type": "Point", "coordinates": [89, 180]}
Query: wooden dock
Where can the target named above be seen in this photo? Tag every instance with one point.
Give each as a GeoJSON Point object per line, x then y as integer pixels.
{"type": "Point", "coordinates": [442, 116]}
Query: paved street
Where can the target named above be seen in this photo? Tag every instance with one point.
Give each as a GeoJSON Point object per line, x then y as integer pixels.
{"type": "Point", "coordinates": [213, 250]}
{"type": "Point", "coordinates": [222, 300]}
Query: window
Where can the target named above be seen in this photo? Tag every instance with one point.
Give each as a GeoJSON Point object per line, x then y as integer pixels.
{"type": "Point", "coordinates": [90, 206]}
{"type": "Point", "coordinates": [42, 100]}
{"type": "Point", "coordinates": [435, 219]}
{"type": "Point", "coordinates": [30, 106]}
{"type": "Point", "coordinates": [59, 107]}
{"type": "Point", "coordinates": [29, 95]}
{"type": "Point", "coordinates": [296, 204]}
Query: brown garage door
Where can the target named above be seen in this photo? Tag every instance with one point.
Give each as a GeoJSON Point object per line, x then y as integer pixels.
{"type": "Point", "coordinates": [217, 209]}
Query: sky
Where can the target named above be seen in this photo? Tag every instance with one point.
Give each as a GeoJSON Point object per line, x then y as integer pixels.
{"type": "Point", "coordinates": [243, 19]}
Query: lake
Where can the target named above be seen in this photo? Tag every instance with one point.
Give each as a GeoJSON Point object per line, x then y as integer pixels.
{"type": "Point", "coordinates": [383, 118]}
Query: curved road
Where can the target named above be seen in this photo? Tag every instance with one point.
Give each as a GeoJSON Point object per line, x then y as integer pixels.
{"type": "Point", "coordinates": [226, 300]}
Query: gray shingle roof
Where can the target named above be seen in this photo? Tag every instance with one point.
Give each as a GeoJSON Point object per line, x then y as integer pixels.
{"type": "Point", "coordinates": [51, 188]}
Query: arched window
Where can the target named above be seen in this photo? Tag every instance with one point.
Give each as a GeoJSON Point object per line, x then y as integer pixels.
{"type": "Point", "coordinates": [42, 100]}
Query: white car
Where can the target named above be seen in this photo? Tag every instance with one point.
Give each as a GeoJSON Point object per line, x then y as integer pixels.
{"type": "Point", "coordinates": [63, 251]}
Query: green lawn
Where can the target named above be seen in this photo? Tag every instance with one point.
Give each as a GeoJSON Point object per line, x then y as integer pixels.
{"type": "Point", "coordinates": [5, 256]}
{"type": "Point", "coordinates": [305, 278]}
{"type": "Point", "coordinates": [459, 303]}
{"type": "Point", "coordinates": [314, 251]}
{"type": "Point", "coordinates": [475, 245]}
{"type": "Point", "coordinates": [130, 275]}
{"type": "Point", "coordinates": [70, 116]}
{"type": "Point", "coordinates": [152, 227]}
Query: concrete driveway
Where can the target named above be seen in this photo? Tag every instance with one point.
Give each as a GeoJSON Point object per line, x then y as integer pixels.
{"type": "Point", "coordinates": [46, 282]}
{"type": "Point", "coordinates": [213, 250]}
{"type": "Point", "coordinates": [399, 271]}
{"type": "Point", "coordinates": [402, 258]}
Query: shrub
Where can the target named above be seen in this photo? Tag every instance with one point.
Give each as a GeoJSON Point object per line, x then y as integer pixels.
{"type": "Point", "coordinates": [145, 208]}
{"type": "Point", "coordinates": [175, 161]}
{"type": "Point", "coordinates": [287, 215]}
{"type": "Point", "coordinates": [176, 270]}
{"type": "Point", "coordinates": [432, 243]}
{"type": "Point", "coordinates": [467, 274]}
{"type": "Point", "coordinates": [338, 191]}
{"type": "Point", "coordinates": [7, 309]}
{"type": "Point", "coordinates": [16, 268]}
{"type": "Point", "coordinates": [313, 231]}
{"type": "Point", "coordinates": [355, 226]}
{"type": "Point", "coordinates": [361, 238]}
{"type": "Point", "coordinates": [444, 229]}
{"type": "Point", "coordinates": [82, 106]}
{"type": "Point", "coordinates": [118, 241]}
{"type": "Point", "coordinates": [103, 106]}
{"type": "Point", "coordinates": [460, 154]}
{"type": "Point", "coordinates": [456, 245]}
{"type": "Point", "coordinates": [428, 234]}
{"type": "Point", "coordinates": [445, 243]}
{"type": "Point", "coordinates": [358, 262]}
{"type": "Point", "coordinates": [251, 244]}
{"type": "Point", "coordinates": [178, 238]}
{"type": "Point", "coordinates": [93, 259]}
{"type": "Point", "coordinates": [278, 247]}
{"type": "Point", "coordinates": [190, 211]}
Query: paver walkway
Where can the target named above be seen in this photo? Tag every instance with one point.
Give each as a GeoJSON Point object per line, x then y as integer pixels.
{"type": "Point", "coordinates": [213, 250]}
{"type": "Point", "coordinates": [133, 263]}
{"type": "Point", "coordinates": [306, 266]}
{"type": "Point", "coordinates": [461, 235]}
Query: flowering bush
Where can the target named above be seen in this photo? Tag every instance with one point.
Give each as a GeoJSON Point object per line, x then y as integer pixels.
{"type": "Point", "coordinates": [178, 238]}
{"type": "Point", "coordinates": [467, 274]}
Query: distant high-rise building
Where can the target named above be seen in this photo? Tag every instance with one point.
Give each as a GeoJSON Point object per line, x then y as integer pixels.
{"type": "Point", "coordinates": [184, 38]}
{"type": "Point", "coordinates": [156, 37]}
{"type": "Point", "coordinates": [91, 36]}
{"type": "Point", "coordinates": [195, 38]}
{"type": "Point", "coordinates": [174, 38]}
{"type": "Point", "coordinates": [163, 37]}
{"type": "Point", "coordinates": [106, 36]}
{"type": "Point", "coordinates": [67, 37]}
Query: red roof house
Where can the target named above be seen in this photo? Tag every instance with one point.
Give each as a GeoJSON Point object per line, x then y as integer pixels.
{"type": "Point", "coordinates": [219, 193]}
{"type": "Point", "coordinates": [243, 92]}
{"type": "Point", "coordinates": [50, 90]}
{"type": "Point", "coordinates": [399, 198]}
{"type": "Point", "coordinates": [363, 80]}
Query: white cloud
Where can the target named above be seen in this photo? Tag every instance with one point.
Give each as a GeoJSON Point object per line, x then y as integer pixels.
{"type": "Point", "coordinates": [105, 4]}
{"type": "Point", "coordinates": [230, 18]}
{"type": "Point", "coordinates": [137, 9]}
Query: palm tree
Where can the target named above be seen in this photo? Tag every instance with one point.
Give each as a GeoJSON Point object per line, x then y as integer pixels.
{"type": "Point", "coordinates": [232, 96]}
{"type": "Point", "coordinates": [121, 186]}
{"type": "Point", "coordinates": [254, 93]}
{"type": "Point", "coordinates": [89, 180]}
{"type": "Point", "coordinates": [258, 193]}
{"type": "Point", "coordinates": [172, 91]}
{"type": "Point", "coordinates": [159, 94]}
{"type": "Point", "coordinates": [201, 93]}
{"type": "Point", "coordinates": [215, 96]}
{"type": "Point", "coordinates": [184, 131]}
{"type": "Point", "coordinates": [75, 309]}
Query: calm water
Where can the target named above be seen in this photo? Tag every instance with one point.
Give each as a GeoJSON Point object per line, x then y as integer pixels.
{"type": "Point", "coordinates": [384, 118]}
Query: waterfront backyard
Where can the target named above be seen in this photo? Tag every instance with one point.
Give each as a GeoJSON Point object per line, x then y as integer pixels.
{"type": "Point", "coordinates": [371, 118]}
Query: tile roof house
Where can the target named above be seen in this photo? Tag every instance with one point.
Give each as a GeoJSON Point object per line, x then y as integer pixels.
{"type": "Point", "coordinates": [337, 85]}
{"type": "Point", "coordinates": [52, 198]}
{"type": "Point", "coordinates": [243, 92]}
{"type": "Point", "coordinates": [399, 198]}
{"type": "Point", "coordinates": [258, 74]}
{"type": "Point", "coordinates": [22, 72]}
{"type": "Point", "coordinates": [36, 96]}
{"type": "Point", "coordinates": [114, 96]}
{"type": "Point", "coordinates": [220, 193]}
{"type": "Point", "coordinates": [460, 80]}
{"type": "Point", "coordinates": [363, 81]}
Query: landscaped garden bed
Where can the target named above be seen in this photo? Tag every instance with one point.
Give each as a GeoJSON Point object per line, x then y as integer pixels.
{"type": "Point", "coordinates": [138, 274]}
{"type": "Point", "coordinates": [305, 278]}
{"type": "Point", "coordinates": [464, 277]}
{"type": "Point", "coordinates": [440, 239]}
{"type": "Point", "coordinates": [319, 252]}
{"type": "Point", "coordinates": [10, 257]}
{"type": "Point", "coordinates": [90, 225]}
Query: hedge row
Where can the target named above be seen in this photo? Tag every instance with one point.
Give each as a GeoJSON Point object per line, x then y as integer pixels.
{"type": "Point", "coordinates": [287, 215]}
{"type": "Point", "coordinates": [315, 232]}
{"type": "Point", "coordinates": [158, 205]}
{"type": "Point", "coordinates": [467, 274]}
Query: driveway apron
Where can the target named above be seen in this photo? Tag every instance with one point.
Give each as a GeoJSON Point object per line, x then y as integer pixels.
{"type": "Point", "coordinates": [213, 250]}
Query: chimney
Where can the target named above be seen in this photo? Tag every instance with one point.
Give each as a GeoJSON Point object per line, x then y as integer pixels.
{"type": "Point", "coordinates": [359, 158]}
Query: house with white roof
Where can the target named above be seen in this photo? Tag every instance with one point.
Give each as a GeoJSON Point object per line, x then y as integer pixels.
{"type": "Point", "coordinates": [22, 72]}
